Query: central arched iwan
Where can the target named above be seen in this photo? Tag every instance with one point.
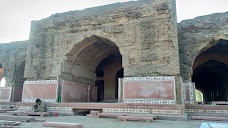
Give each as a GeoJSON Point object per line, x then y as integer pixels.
{"type": "Point", "coordinates": [90, 58]}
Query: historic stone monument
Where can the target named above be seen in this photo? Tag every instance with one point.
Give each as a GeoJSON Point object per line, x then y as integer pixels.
{"type": "Point", "coordinates": [135, 52]}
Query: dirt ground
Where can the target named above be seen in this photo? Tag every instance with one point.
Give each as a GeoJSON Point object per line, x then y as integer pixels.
{"type": "Point", "coordinates": [113, 123]}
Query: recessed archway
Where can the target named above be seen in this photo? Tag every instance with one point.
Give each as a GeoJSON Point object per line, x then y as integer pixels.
{"type": "Point", "coordinates": [19, 75]}
{"type": "Point", "coordinates": [210, 72]}
{"type": "Point", "coordinates": [199, 96]}
{"type": "Point", "coordinates": [95, 61]}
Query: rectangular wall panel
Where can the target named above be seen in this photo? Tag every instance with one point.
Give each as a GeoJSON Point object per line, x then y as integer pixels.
{"type": "Point", "coordinates": [157, 90]}
{"type": "Point", "coordinates": [5, 94]}
{"type": "Point", "coordinates": [46, 90]}
{"type": "Point", "coordinates": [74, 92]}
{"type": "Point", "coordinates": [189, 93]}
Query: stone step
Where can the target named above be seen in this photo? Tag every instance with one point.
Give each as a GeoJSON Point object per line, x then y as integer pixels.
{"type": "Point", "coordinates": [135, 118]}
{"type": "Point", "coordinates": [209, 118]}
{"type": "Point", "coordinates": [62, 125]}
{"type": "Point", "coordinates": [62, 113]}
{"type": "Point", "coordinates": [110, 115]}
{"type": "Point", "coordinates": [172, 117]}
{"type": "Point", "coordinates": [16, 118]}
{"type": "Point", "coordinates": [5, 110]}
{"type": "Point", "coordinates": [28, 113]}
{"type": "Point", "coordinates": [94, 113]}
{"type": "Point", "coordinates": [115, 115]}
{"type": "Point", "coordinates": [208, 114]}
{"type": "Point", "coordinates": [9, 123]}
{"type": "Point", "coordinates": [92, 116]}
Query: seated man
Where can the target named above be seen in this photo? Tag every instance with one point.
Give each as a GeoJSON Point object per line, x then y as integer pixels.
{"type": "Point", "coordinates": [40, 106]}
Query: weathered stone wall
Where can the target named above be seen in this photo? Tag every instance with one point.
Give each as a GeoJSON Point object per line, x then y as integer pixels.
{"type": "Point", "coordinates": [145, 32]}
{"type": "Point", "coordinates": [196, 36]}
{"type": "Point", "coordinates": [12, 58]}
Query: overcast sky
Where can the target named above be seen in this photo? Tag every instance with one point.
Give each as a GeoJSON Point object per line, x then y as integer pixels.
{"type": "Point", "coordinates": [16, 15]}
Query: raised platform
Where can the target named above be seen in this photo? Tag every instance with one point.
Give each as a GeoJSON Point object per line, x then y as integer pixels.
{"type": "Point", "coordinates": [170, 110]}
{"type": "Point", "coordinates": [112, 107]}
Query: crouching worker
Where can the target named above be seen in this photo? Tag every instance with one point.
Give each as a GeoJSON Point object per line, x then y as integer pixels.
{"type": "Point", "coordinates": [40, 106]}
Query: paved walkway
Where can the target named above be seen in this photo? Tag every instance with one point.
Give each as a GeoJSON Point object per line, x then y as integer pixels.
{"type": "Point", "coordinates": [214, 125]}
{"type": "Point", "coordinates": [114, 123]}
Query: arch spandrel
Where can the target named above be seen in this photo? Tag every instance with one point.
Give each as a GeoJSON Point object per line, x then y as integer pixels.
{"type": "Point", "coordinates": [208, 46]}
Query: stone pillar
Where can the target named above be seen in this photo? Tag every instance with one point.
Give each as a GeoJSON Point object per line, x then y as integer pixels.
{"type": "Point", "coordinates": [1, 73]}
{"type": "Point", "coordinates": [120, 90]}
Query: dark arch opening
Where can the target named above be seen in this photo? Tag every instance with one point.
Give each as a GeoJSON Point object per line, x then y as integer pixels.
{"type": "Point", "coordinates": [107, 85]}
{"type": "Point", "coordinates": [211, 77]}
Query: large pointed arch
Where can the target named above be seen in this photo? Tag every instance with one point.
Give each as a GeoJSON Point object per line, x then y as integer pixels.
{"type": "Point", "coordinates": [88, 58]}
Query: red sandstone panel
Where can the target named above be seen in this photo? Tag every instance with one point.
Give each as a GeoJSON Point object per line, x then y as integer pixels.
{"type": "Point", "coordinates": [93, 94]}
{"type": "Point", "coordinates": [150, 88]}
{"type": "Point", "coordinates": [187, 90]}
{"type": "Point", "coordinates": [74, 92]}
{"type": "Point", "coordinates": [5, 94]}
{"type": "Point", "coordinates": [44, 90]}
{"type": "Point", "coordinates": [17, 94]}
{"type": "Point", "coordinates": [189, 93]}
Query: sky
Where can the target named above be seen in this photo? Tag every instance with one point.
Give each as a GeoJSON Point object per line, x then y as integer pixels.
{"type": "Point", "coordinates": [16, 15]}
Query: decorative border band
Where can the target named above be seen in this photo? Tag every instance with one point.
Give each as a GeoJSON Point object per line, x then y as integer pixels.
{"type": "Point", "coordinates": [49, 108]}
{"type": "Point", "coordinates": [33, 100]}
{"type": "Point", "coordinates": [41, 82]}
{"type": "Point", "coordinates": [119, 110]}
{"type": "Point", "coordinates": [206, 111]}
{"type": "Point", "coordinates": [151, 101]}
{"type": "Point", "coordinates": [150, 78]}
{"type": "Point", "coordinates": [145, 111]}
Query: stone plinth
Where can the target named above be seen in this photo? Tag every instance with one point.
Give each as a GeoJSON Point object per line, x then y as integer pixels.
{"type": "Point", "coordinates": [46, 90]}
{"type": "Point", "coordinates": [207, 109]}
{"type": "Point", "coordinates": [157, 90]}
{"type": "Point", "coordinates": [62, 125]}
{"type": "Point", "coordinates": [5, 94]}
